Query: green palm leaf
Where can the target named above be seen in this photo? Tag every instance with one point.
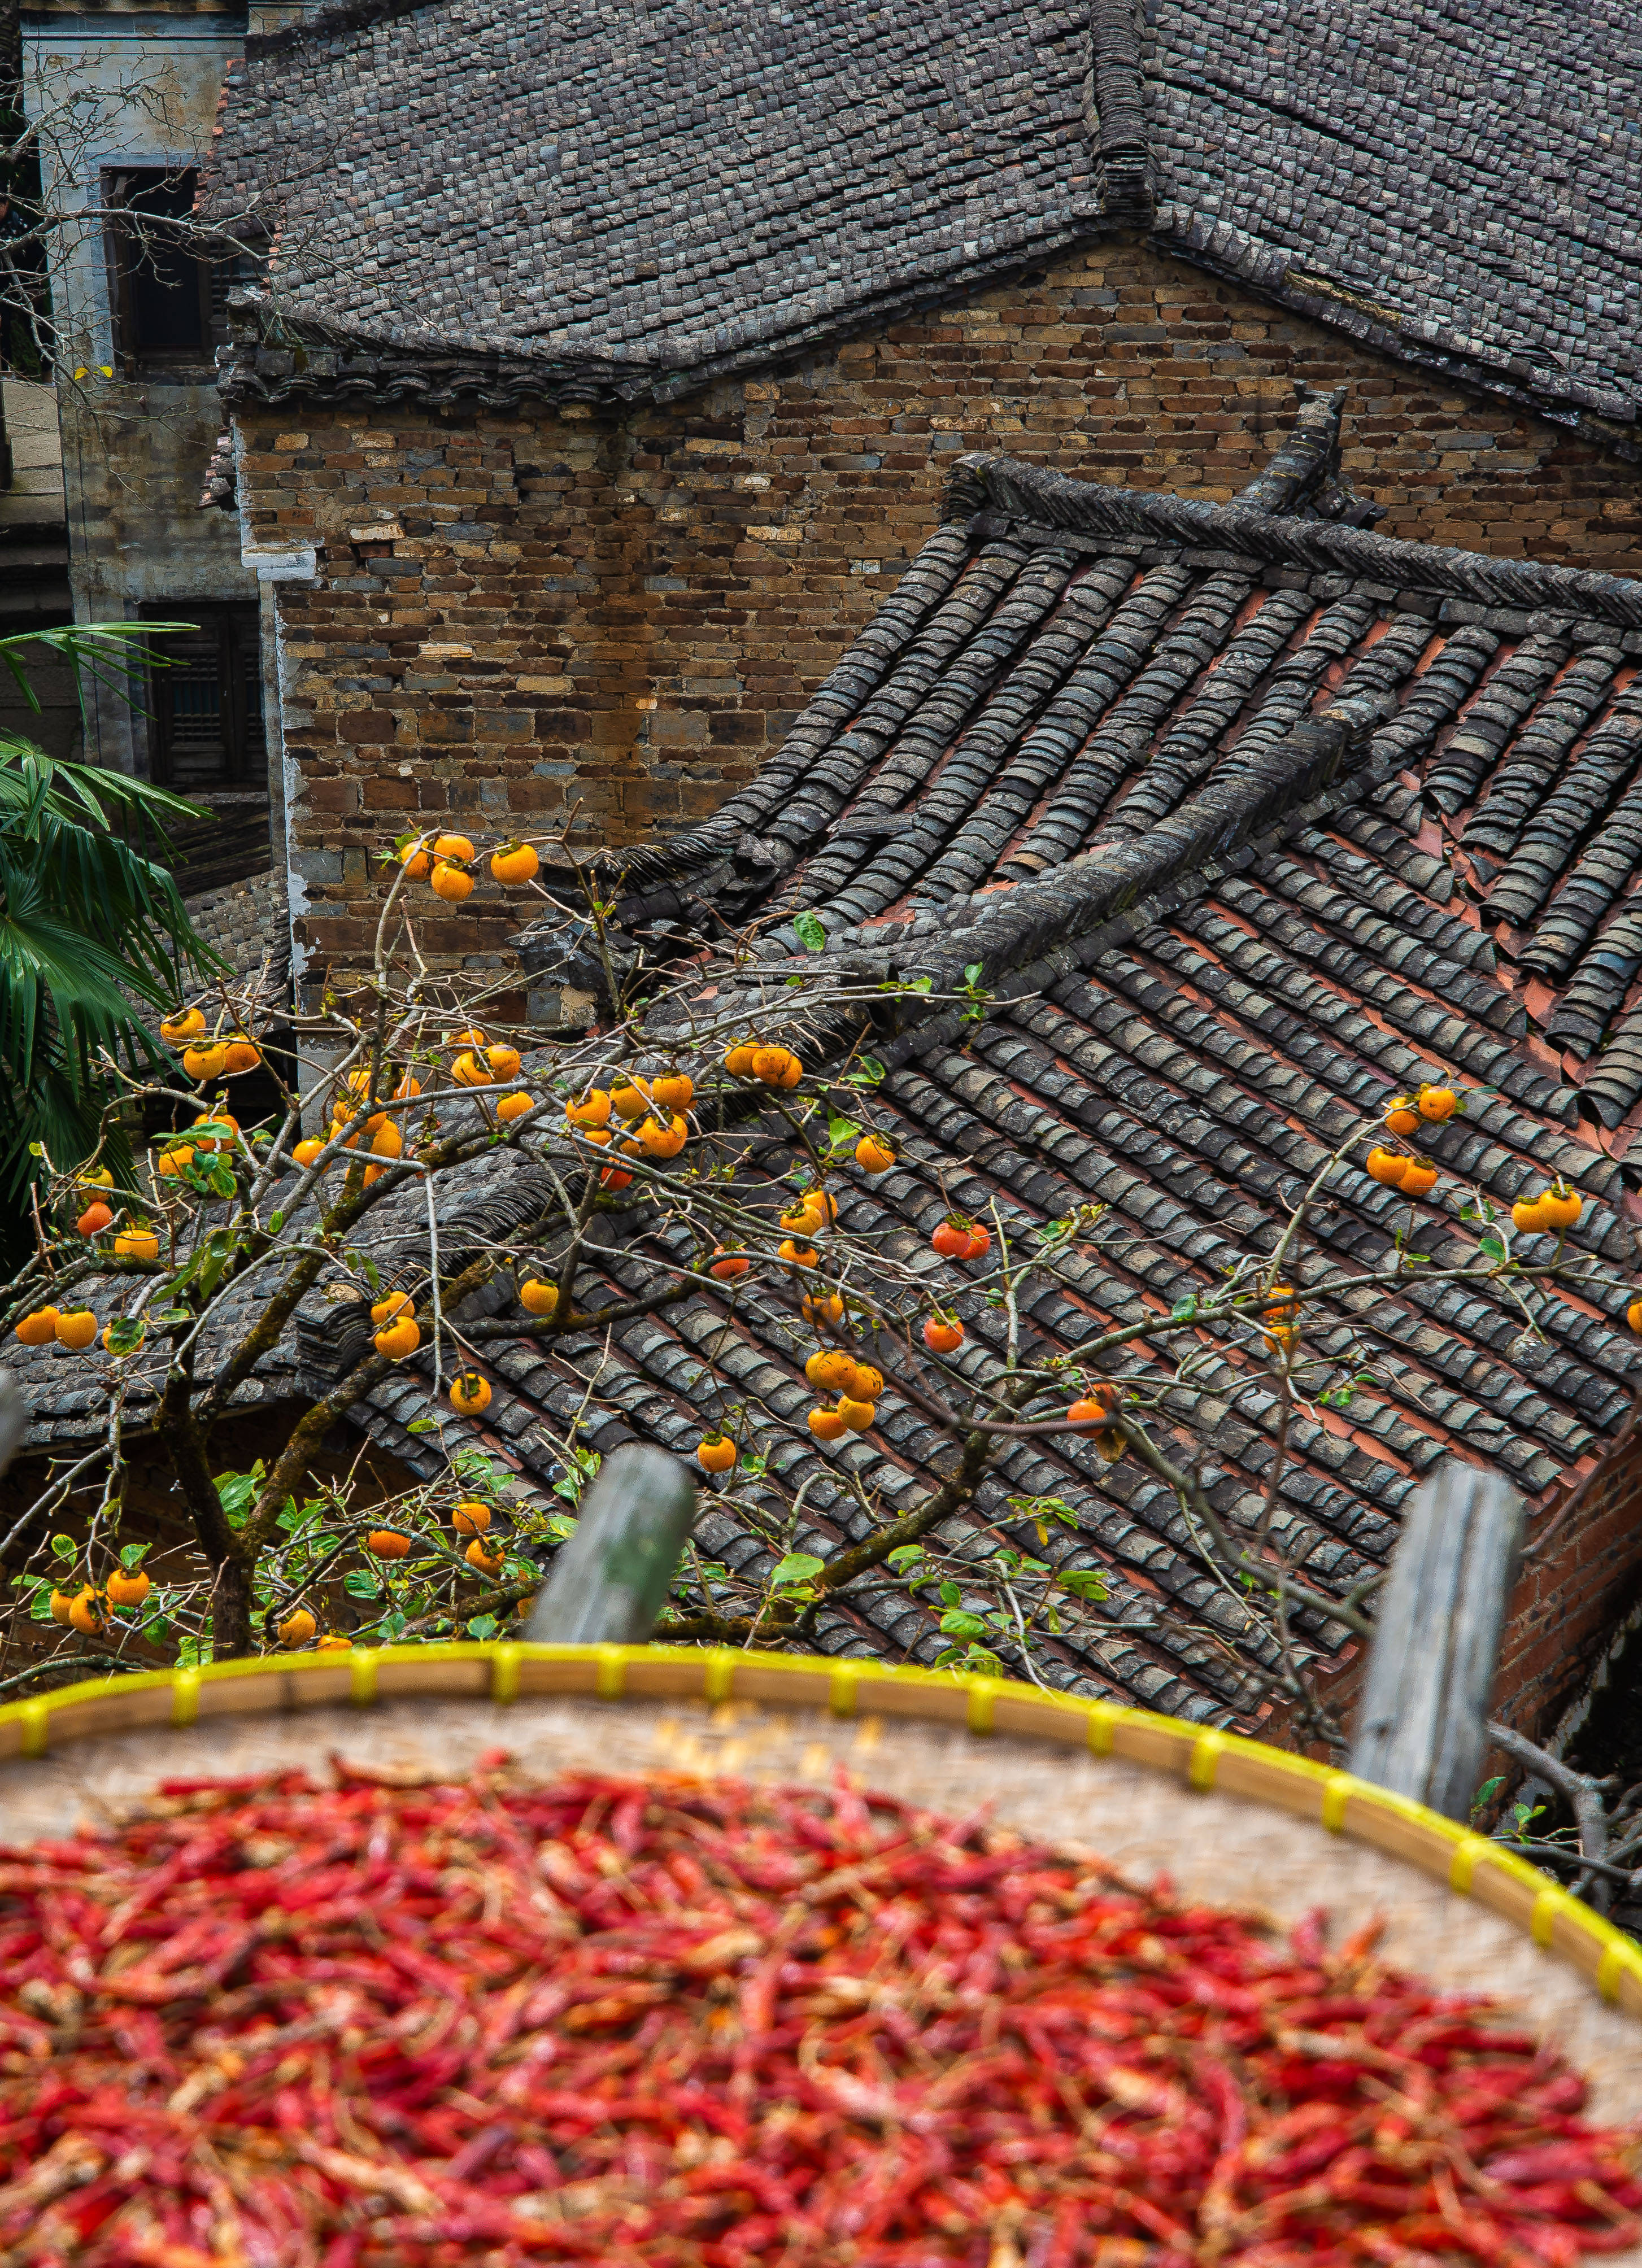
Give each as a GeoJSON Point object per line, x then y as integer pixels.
{"type": "Point", "coordinates": [92, 928]}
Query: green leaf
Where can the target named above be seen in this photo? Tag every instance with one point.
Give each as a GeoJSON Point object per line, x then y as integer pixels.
{"type": "Point", "coordinates": [1183, 1310]}
{"type": "Point", "coordinates": [842, 1131]}
{"type": "Point", "coordinates": [422, 1426]}
{"type": "Point", "coordinates": [125, 1334]}
{"type": "Point", "coordinates": [484, 1626]}
{"type": "Point", "coordinates": [276, 1222]}
{"type": "Point", "coordinates": [132, 1556]}
{"type": "Point", "coordinates": [1491, 1248]}
{"type": "Point", "coordinates": [950, 1594]}
{"type": "Point", "coordinates": [1043, 1507]}
{"type": "Point", "coordinates": [870, 1070]}
{"type": "Point", "coordinates": [905, 1555]}
{"type": "Point", "coordinates": [65, 1546]}
{"type": "Point", "coordinates": [1490, 1787]}
{"type": "Point", "coordinates": [237, 1492]}
{"type": "Point", "coordinates": [808, 930]}
{"type": "Point", "coordinates": [959, 1624]}
{"type": "Point", "coordinates": [360, 1583]}
{"type": "Point", "coordinates": [1083, 1582]}
{"type": "Point", "coordinates": [972, 974]}
{"type": "Point", "coordinates": [798, 1567]}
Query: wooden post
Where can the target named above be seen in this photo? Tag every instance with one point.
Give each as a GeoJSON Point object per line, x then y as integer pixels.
{"type": "Point", "coordinates": [611, 1576]}
{"type": "Point", "coordinates": [1421, 1727]}
{"type": "Point", "coordinates": [13, 1417]}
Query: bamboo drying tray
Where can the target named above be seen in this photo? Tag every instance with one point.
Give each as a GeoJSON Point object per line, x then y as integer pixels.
{"type": "Point", "coordinates": [1227, 1819]}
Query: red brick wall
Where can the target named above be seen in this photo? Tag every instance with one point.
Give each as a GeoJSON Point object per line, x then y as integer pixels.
{"type": "Point", "coordinates": [1564, 1609]}
{"type": "Point", "coordinates": [627, 612]}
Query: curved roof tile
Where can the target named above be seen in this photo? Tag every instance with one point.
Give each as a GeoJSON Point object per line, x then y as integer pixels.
{"type": "Point", "coordinates": [1202, 798]}
{"type": "Point", "coordinates": [632, 196]}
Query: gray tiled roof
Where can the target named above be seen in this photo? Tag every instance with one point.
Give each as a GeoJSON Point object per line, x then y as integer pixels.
{"type": "Point", "coordinates": [1288, 816]}
{"type": "Point", "coordinates": [1463, 178]}
{"type": "Point", "coordinates": [633, 197]}
{"type": "Point", "coordinates": [655, 189]}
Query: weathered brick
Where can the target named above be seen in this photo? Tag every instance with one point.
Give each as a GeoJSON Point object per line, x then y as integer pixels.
{"type": "Point", "coordinates": [558, 571]}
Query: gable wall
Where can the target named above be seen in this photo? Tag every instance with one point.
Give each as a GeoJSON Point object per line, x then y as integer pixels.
{"type": "Point", "coordinates": [628, 613]}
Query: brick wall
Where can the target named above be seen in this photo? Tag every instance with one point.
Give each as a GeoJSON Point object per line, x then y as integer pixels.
{"type": "Point", "coordinates": [1564, 1609]}
{"type": "Point", "coordinates": [626, 613]}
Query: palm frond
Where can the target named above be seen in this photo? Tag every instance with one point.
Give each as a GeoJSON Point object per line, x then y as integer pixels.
{"type": "Point", "coordinates": [93, 929]}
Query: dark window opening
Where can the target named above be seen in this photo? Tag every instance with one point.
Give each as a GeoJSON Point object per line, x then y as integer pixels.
{"type": "Point", "coordinates": [168, 283]}
{"type": "Point", "coordinates": [205, 711]}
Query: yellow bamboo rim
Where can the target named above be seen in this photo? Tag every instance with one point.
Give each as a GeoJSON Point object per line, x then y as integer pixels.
{"type": "Point", "coordinates": [501, 1671]}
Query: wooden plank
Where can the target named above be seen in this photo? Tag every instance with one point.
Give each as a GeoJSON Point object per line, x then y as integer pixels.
{"type": "Point", "coordinates": [611, 1577]}
{"type": "Point", "coordinates": [1422, 1728]}
{"type": "Point", "coordinates": [13, 1417]}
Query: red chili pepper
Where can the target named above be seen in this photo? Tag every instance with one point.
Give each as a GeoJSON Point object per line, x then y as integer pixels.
{"type": "Point", "coordinates": [648, 2023]}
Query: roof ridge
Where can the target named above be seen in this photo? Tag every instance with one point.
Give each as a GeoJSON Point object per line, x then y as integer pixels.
{"type": "Point", "coordinates": [327, 23]}
{"type": "Point", "coordinates": [1050, 920]}
{"type": "Point", "coordinates": [1120, 136]}
{"type": "Point", "coordinates": [995, 493]}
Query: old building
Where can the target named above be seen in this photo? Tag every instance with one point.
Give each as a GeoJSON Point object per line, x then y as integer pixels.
{"type": "Point", "coordinates": [612, 362]}
{"type": "Point", "coordinates": [1248, 819]}
{"type": "Point", "coordinates": [122, 98]}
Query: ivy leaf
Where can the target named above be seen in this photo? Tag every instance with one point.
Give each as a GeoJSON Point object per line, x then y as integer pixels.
{"type": "Point", "coordinates": [809, 933]}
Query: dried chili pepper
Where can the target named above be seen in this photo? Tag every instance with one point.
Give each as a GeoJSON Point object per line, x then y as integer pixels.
{"type": "Point", "coordinates": [667, 2021]}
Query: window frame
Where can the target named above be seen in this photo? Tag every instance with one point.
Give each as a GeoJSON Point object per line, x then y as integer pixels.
{"type": "Point", "coordinates": [237, 633]}
{"type": "Point", "coordinates": [119, 182]}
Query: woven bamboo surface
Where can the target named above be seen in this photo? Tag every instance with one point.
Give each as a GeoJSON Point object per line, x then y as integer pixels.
{"type": "Point", "coordinates": [1225, 1818]}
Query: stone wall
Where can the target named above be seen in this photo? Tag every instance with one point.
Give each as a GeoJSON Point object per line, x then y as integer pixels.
{"type": "Point", "coordinates": [518, 613]}
{"type": "Point", "coordinates": [246, 922]}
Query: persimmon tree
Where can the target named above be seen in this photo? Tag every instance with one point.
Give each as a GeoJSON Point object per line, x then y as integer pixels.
{"type": "Point", "coordinates": [725, 1150]}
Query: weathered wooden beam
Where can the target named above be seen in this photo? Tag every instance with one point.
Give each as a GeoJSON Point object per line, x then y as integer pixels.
{"type": "Point", "coordinates": [611, 1576]}
{"type": "Point", "coordinates": [13, 1417]}
{"type": "Point", "coordinates": [1421, 1727]}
